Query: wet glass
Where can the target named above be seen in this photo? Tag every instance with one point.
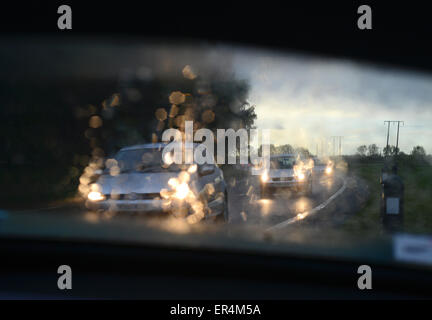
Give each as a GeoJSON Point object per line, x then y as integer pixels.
{"type": "Point", "coordinates": [282, 163]}
{"type": "Point", "coordinates": [68, 105]}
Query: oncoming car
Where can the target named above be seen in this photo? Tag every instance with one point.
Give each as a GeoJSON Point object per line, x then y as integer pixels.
{"type": "Point", "coordinates": [322, 167]}
{"type": "Point", "coordinates": [286, 171]}
{"type": "Point", "coordinates": [137, 180]}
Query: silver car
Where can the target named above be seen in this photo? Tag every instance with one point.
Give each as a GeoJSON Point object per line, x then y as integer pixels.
{"type": "Point", "coordinates": [136, 179]}
{"type": "Point", "coordinates": [322, 168]}
{"type": "Point", "coordinates": [286, 171]}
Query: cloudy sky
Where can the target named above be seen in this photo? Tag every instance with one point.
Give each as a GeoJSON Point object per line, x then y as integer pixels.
{"type": "Point", "coordinates": [305, 100]}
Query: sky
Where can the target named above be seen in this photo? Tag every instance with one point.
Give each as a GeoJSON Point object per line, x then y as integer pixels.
{"type": "Point", "coordinates": [305, 100]}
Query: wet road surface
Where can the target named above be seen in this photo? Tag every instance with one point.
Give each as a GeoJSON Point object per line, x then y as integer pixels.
{"type": "Point", "coordinates": [246, 205]}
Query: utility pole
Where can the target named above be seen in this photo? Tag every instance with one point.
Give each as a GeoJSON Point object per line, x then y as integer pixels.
{"type": "Point", "coordinates": [388, 133]}
{"type": "Point", "coordinates": [397, 137]}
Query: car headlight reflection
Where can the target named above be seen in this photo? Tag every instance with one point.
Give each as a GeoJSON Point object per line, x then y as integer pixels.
{"type": "Point", "coordinates": [264, 176]}
{"type": "Point", "coordinates": [301, 176]}
{"type": "Point", "coordinates": [182, 190]}
{"type": "Point", "coordinates": [96, 196]}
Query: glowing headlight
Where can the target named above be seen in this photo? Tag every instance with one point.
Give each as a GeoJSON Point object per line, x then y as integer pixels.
{"type": "Point", "coordinates": [328, 170]}
{"type": "Point", "coordinates": [264, 176]}
{"type": "Point", "coordinates": [193, 168]}
{"type": "Point", "coordinates": [182, 191]}
{"type": "Point", "coordinates": [95, 196]}
{"type": "Point", "coordinates": [301, 176]}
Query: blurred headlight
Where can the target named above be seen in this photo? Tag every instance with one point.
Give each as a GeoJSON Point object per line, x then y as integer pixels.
{"type": "Point", "coordinates": [182, 191]}
{"type": "Point", "coordinates": [301, 176]}
{"type": "Point", "coordinates": [264, 176]}
{"type": "Point", "coordinates": [95, 196]}
{"type": "Point", "coordinates": [193, 168]}
{"type": "Point", "coordinates": [329, 170]}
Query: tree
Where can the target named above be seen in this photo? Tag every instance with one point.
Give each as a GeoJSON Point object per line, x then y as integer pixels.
{"type": "Point", "coordinates": [273, 150]}
{"type": "Point", "coordinates": [390, 150]}
{"type": "Point", "coordinates": [418, 152]}
{"type": "Point", "coordinates": [362, 150]}
{"type": "Point", "coordinates": [303, 152]}
{"type": "Point", "coordinates": [50, 118]}
{"type": "Point", "coordinates": [286, 148]}
{"type": "Point", "coordinates": [213, 101]}
{"type": "Point", "coordinates": [373, 150]}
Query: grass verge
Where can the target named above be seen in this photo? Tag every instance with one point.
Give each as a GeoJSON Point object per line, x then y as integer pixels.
{"type": "Point", "coordinates": [418, 199]}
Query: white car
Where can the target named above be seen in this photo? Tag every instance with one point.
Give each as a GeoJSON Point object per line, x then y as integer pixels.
{"type": "Point", "coordinates": [137, 179]}
{"type": "Point", "coordinates": [286, 171]}
{"type": "Point", "coordinates": [321, 167]}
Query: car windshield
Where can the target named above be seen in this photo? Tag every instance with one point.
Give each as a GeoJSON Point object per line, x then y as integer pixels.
{"type": "Point", "coordinates": [319, 162]}
{"type": "Point", "coordinates": [76, 113]}
{"type": "Point", "coordinates": [139, 160]}
{"type": "Point", "coordinates": [282, 163]}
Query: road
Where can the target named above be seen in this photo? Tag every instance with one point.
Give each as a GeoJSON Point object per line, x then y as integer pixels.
{"type": "Point", "coordinates": [249, 215]}
{"type": "Point", "coordinates": [246, 206]}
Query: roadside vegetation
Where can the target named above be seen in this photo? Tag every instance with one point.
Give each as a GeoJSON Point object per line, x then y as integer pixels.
{"type": "Point", "coordinates": [415, 170]}
{"type": "Point", "coordinates": [51, 130]}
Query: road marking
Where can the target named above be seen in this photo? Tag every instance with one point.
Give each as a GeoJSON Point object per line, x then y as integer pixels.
{"type": "Point", "coordinates": [303, 215]}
